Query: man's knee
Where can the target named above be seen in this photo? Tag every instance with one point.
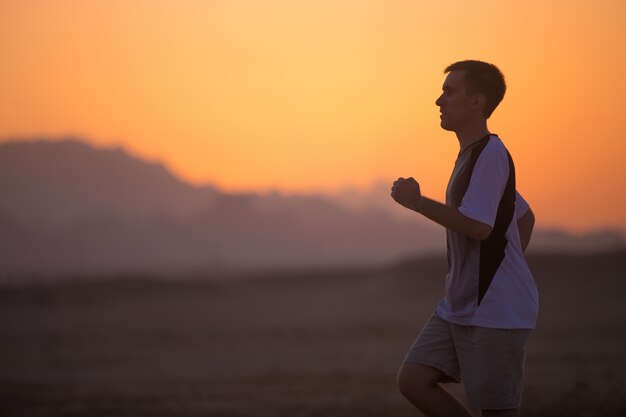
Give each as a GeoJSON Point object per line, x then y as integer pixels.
{"type": "Point", "coordinates": [415, 380]}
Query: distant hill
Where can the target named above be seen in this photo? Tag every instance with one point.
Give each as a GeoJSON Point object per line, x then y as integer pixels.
{"type": "Point", "coordinates": [560, 241]}
{"type": "Point", "coordinates": [56, 182]}
{"type": "Point", "coordinates": [68, 207]}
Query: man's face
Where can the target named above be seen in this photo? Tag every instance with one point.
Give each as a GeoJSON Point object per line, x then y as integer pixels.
{"type": "Point", "coordinates": [454, 103]}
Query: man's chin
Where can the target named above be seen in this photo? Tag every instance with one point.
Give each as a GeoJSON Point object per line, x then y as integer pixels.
{"type": "Point", "coordinates": [445, 126]}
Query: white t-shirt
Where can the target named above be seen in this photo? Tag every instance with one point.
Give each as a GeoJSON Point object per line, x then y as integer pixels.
{"type": "Point", "coordinates": [488, 282]}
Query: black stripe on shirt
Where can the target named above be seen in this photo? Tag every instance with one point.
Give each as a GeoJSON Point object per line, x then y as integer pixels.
{"type": "Point", "coordinates": [492, 249]}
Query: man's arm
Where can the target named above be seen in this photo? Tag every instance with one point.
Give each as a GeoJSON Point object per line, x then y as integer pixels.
{"type": "Point", "coordinates": [525, 225]}
{"type": "Point", "coordinates": [407, 192]}
{"type": "Point", "coordinates": [451, 218]}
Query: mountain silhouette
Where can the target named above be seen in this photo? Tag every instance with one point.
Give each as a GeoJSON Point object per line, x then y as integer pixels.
{"type": "Point", "coordinates": [68, 207]}
{"type": "Point", "coordinates": [56, 182]}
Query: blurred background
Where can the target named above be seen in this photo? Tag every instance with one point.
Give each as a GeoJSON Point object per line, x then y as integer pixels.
{"type": "Point", "coordinates": [194, 199]}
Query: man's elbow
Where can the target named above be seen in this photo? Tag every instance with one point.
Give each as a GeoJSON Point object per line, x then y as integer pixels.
{"type": "Point", "coordinates": [526, 223]}
{"type": "Point", "coordinates": [481, 231]}
{"type": "Point", "coordinates": [531, 219]}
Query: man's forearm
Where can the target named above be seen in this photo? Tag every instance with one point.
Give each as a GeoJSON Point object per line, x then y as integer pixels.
{"type": "Point", "coordinates": [451, 218]}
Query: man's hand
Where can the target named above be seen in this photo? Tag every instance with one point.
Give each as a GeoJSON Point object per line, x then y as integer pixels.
{"type": "Point", "coordinates": [406, 191]}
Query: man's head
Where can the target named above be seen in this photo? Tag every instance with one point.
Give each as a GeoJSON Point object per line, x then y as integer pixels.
{"type": "Point", "coordinates": [472, 89]}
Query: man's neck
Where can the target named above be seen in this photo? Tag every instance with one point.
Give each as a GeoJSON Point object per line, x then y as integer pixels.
{"type": "Point", "coordinates": [471, 134]}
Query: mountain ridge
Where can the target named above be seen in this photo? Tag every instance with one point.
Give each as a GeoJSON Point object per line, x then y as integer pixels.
{"type": "Point", "coordinates": [66, 206]}
{"type": "Point", "coordinates": [86, 179]}
{"type": "Point", "coordinates": [69, 207]}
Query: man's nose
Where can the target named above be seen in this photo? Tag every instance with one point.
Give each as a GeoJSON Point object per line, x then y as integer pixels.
{"type": "Point", "coordinates": [439, 101]}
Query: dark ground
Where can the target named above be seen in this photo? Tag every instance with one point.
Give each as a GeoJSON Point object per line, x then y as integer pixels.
{"type": "Point", "coordinates": [317, 343]}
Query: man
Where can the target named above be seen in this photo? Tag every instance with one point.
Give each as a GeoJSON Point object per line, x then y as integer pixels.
{"type": "Point", "coordinates": [479, 330]}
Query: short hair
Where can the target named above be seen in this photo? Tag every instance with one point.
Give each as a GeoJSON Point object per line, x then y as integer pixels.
{"type": "Point", "coordinates": [484, 78]}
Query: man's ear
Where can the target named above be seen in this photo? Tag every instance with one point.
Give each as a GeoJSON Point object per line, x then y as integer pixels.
{"type": "Point", "coordinates": [478, 102]}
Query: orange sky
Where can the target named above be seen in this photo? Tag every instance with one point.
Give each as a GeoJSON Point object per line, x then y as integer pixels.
{"type": "Point", "coordinates": [321, 94]}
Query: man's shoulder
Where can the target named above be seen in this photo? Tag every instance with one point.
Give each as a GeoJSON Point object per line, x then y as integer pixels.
{"type": "Point", "coordinates": [494, 150]}
{"type": "Point", "coordinates": [496, 144]}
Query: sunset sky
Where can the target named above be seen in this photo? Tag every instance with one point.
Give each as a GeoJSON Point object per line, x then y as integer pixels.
{"type": "Point", "coordinates": [318, 95]}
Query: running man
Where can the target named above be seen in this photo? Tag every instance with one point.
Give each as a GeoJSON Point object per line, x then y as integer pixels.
{"type": "Point", "coordinates": [479, 330]}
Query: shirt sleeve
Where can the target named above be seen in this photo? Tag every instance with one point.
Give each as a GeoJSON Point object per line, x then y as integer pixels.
{"type": "Point", "coordinates": [486, 186]}
{"type": "Point", "coordinates": [521, 206]}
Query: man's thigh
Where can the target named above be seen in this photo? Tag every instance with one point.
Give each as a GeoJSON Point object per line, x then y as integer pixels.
{"type": "Point", "coordinates": [434, 347]}
{"type": "Point", "coordinates": [492, 365]}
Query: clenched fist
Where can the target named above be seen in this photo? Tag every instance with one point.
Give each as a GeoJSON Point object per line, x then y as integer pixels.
{"type": "Point", "coordinates": [406, 191]}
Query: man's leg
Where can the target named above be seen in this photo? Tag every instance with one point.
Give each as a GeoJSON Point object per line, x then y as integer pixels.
{"type": "Point", "coordinates": [420, 385]}
{"type": "Point", "coordinates": [492, 365]}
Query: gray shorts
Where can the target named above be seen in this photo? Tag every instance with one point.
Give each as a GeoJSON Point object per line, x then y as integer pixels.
{"type": "Point", "coordinates": [489, 361]}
